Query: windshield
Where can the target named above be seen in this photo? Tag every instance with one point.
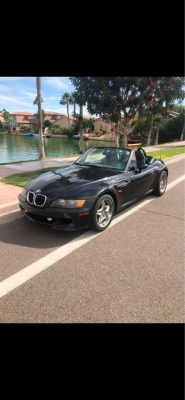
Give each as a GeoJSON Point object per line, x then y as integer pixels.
{"type": "Point", "coordinates": [105, 157]}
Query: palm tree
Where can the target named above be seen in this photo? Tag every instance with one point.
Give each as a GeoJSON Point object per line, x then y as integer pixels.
{"type": "Point", "coordinates": [39, 99]}
{"type": "Point", "coordinates": [36, 100]}
{"type": "Point", "coordinates": [73, 94]}
{"type": "Point", "coordinates": [66, 99]}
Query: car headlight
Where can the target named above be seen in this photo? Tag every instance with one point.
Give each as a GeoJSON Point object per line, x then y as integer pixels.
{"type": "Point", "coordinates": [67, 203]}
{"type": "Point", "coordinates": [24, 193]}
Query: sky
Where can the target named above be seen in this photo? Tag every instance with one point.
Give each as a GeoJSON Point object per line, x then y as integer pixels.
{"type": "Point", "coordinates": [18, 93]}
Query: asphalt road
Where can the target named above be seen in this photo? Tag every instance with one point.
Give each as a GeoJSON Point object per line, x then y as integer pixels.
{"type": "Point", "coordinates": [132, 272]}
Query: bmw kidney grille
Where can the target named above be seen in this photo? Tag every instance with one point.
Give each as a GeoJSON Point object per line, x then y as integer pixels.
{"type": "Point", "coordinates": [37, 200]}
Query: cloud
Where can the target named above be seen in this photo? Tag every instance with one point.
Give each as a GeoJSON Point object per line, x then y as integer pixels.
{"type": "Point", "coordinates": [56, 82]}
{"type": "Point", "coordinates": [30, 95]}
{"type": "Point", "coordinates": [8, 99]}
{"type": "Point", "coordinates": [53, 98]}
{"type": "Point", "coordinates": [4, 88]}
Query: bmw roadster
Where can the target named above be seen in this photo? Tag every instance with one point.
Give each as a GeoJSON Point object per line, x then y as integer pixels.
{"type": "Point", "coordinates": [103, 181]}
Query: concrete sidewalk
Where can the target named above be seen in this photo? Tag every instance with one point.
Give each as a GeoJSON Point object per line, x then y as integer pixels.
{"type": "Point", "coordinates": [10, 169]}
{"type": "Point", "coordinates": [9, 193]}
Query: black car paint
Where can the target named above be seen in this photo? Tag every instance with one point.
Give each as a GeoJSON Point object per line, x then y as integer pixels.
{"type": "Point", "coordinates": [88, 182]}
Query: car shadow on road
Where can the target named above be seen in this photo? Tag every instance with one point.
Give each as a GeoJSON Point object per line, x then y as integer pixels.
{"type": "Point", "coordinates": [26, 233]}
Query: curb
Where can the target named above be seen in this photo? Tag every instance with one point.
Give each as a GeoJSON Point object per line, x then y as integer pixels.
{"type": "Point", "coordinates": [14, 205]}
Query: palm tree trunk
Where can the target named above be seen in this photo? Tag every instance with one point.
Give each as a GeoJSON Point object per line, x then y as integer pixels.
{"type": "Point", "coordinates": [157, 135]}
{"type": "Point", "coordinates": [68, 112]}
{"type": "Point", "coordinates": [41, 143]}
{"type": "Point", "coordinates": [74, 109]}
{"type": "Point", "coordinates": [81, 130]}
{"type": "Point", "coordinates": [150, 131]}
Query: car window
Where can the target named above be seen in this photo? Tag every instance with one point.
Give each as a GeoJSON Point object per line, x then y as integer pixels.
{"type": "Point", "coordinates": [133, 162]}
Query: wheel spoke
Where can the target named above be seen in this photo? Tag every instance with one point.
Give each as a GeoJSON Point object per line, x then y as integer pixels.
{"type": "Point", "coordinates": [103, 205]}
{"type": "Point", "coordinates": [100, 219]}
{"type": "Point", "coordinates": [107, 209]}
{"type": "Point", "coordinates": [99, 212]}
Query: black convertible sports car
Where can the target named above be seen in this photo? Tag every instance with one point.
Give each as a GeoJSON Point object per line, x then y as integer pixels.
{"type": "Point", "coordinates": [101, 182]}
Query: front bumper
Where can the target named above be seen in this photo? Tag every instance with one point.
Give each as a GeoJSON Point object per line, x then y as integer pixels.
{"type": "Point", "coordinates": [63, 219]}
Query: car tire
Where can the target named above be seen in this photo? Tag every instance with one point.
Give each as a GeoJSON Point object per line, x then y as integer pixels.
{"type": "Point", "coordinates": [103, 213]}
{"type": "Point", "coordinates": [162, 184]}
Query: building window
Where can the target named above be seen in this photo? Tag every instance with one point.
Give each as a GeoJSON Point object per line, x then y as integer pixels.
{"type": "Point", "coordinates": [112, 129]}
{"type": "Point", "coordinates": [100, 127]}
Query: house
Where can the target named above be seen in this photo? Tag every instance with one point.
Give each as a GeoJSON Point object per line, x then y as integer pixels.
{"type": "Point", "coordinates": [101, 125]}
{"type": "Point", "coordinates": [30, 119]}
{"type": "Point", "coordinates": [23, 118]}
{"type": "Point", "coordinates": [62, 121]}
{"type": "Point", "coordinates": [172, 113]}
{"type": "Point", "coordinates": [1, 117]}
{"type": "Point", "coordinates": [51, 116]}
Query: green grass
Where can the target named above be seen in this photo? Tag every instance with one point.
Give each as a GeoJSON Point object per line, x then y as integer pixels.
{"type": "Point", "coordinates": [24, 177]}
{"type": "Point", "coordinates": [165, 153]}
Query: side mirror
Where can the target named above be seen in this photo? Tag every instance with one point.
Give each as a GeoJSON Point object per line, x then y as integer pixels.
{"type": "Point", "coordinates": [143, 166]}
{"type": "Point", "coordinates": [134, 169]}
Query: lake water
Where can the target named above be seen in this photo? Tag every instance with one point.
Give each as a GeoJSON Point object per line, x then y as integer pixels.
{"type": "Point", "coordinates": [23, 148]}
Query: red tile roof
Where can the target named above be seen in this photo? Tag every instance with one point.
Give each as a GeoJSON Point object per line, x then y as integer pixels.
{"type": "Point", "coordinates": [173, 113]}
{"type": "Point", "coordinates": [21, 113]}
{"type": "Point", "coordinates": [52, 113]}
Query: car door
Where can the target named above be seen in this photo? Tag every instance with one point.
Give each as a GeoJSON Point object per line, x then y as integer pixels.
{"type": "Point", "coordinates": [141, 182]}
{"type": "Point", "coordinates": [122, 186]}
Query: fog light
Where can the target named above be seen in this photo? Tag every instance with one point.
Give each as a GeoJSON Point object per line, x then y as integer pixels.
{"type": "Point", "coordinates": [49, 219]}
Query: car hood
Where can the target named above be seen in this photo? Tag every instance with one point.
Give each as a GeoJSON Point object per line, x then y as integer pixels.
{"type": "Point", "coordinates": [53, 184]}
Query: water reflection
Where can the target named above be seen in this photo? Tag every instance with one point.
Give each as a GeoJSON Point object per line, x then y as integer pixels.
{"type": "Point", "coordinates": [22, 148]}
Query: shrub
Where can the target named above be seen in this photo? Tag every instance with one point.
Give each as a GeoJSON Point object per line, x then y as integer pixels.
{"type": "Point", "coordinates": [69, 132]}
{"type": "Point", "coordinates": [47, 123]}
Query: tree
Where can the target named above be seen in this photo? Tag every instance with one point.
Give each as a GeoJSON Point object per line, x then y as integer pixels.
{"type": "Point", "coordinates": [73, 99]}
{"type": "Point", "coordinates": [150, 130]}
{"type": "Point", "coordinates": [47, 123]}
{"type": "Point", "coordinates": [182, 121]}
{"type": "Point", "coordinates": [66, 99]}
{"type": "Point", "coordinates": [81, 102]}
{"type": "Point", "coordinates": [36, 100]}
{"type": "Point", "coordinates": [10, 123]}
{"type": "Point", "coordinates": [6, 114]}
{"type": "Point", "coordinates": [41, 142]}
{"type": "Point", "coordinates": [110, 97]}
